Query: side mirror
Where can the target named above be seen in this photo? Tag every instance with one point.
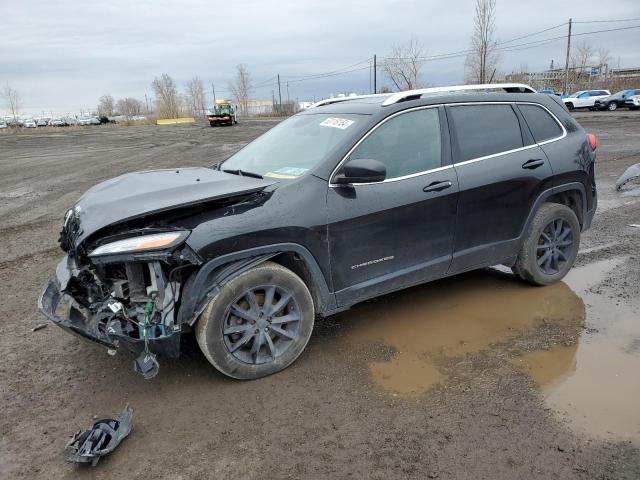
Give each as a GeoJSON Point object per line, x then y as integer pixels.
{"type": "Point", "coordinates": [361, 170]}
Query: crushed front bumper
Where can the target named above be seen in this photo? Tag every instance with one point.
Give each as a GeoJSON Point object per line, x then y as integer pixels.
{"type": "Point", "coordinates": [60, 307]}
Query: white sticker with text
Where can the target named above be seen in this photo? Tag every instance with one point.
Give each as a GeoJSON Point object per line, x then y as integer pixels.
{"type": "Point", "coordinates": [341, 123]}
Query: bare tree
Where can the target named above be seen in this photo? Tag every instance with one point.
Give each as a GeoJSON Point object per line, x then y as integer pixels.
{"type": "Point", "coordinates": [13, 101]}
{"type": "Point", "coordinates": [403, 65]}
{"type": "Point", "coordinates": [482, 60]}
{"type": "Point", "coordinates": [167, 98]}
{"type": "Point", "coordinates": [604, 58]}
{"type": "Point", "coordinates": [241, 87]}
{"type": "Point", "coordinates": [195, 98]}
{"type": "Point", "coordinates": [581, 58]}
{"type": "Point", "coordinates": [105, 106]}
{"type": "Point", "coordinates": [129, 107]}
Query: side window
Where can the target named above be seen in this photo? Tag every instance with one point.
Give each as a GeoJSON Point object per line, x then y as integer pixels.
{"type": "Point", "coordinates": [542, 125]}
{"type": "Point", "coordinates": [483, 130]}
{"type": "Point", "coordinates": [406, 144]}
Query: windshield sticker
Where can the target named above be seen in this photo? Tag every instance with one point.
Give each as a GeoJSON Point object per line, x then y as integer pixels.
{"type": "Point", "coordinates": [286, 172]}
{"type": "Point", "coordinates": [341, 123]}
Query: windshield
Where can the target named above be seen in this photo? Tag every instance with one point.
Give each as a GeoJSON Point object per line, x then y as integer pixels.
{"type": "Point", "coordinates": [294, 146]}
{"type": "Point", "coordinates": [223, 109]}
{"type": "Point", "coordinates": [574, 95]}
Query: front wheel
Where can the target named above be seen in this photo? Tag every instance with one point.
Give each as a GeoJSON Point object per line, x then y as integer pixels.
{"type": "Point", "coordinates": [258, 324]}
{"type": "Point", "coordinates": [551, 245]}
{"type": "Point", "coordinates": [612, 107]}
{"type": "Point", "coordinates": [569, 106]}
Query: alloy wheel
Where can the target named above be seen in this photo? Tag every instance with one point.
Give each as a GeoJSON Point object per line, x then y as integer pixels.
{"type": "Point", "coordinates": [261, 324]}
{"type": "Point", "coordinates": [554, 247]}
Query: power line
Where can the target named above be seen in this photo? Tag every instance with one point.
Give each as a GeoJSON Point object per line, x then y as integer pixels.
{"type": "Point", "coordinates": [337, 71]}
{"type": "Point", "coordinates": [531, 44]}
{"type": "Point", "coordinates": [611, 21]}
{"type": "Point", "coordinates": [533, 34]}
{"type": "Point", "coordinates": [504, 46]}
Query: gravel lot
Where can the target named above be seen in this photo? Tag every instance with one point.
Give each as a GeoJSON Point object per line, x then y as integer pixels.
{"type": "Point", "coordinates": [476, 376]}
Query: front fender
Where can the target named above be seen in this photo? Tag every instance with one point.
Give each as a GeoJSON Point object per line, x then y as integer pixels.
{"type": "Point", "coordinates": [203, 284]}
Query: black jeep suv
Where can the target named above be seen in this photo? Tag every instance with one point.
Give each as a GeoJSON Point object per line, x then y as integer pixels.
{"type": "Point", "coordinates": [351, 199]}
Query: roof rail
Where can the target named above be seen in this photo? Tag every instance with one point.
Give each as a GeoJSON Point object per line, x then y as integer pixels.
{"type": "Point", "coordinates": [329, 101]}
{"type": "Point", "coordinates": [412, 94]}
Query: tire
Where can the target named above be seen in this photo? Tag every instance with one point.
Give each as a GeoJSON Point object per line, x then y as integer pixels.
{"type": "Point", "coordinates": [233, 353]}
{"type": "Point", "coordinates": [633, 108]}
{"type": "Point", "coordinates": [569, 106]}
{"type": "Point", "coordinates": [612, 107]}
{"type": "Point", "coordinates": [531, 265]}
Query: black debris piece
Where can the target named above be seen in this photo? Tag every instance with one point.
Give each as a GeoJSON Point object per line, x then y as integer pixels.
{"type": "Point", "coordinates": [147, 365]}
{"type": "Point", "coordinates": [102, 438]}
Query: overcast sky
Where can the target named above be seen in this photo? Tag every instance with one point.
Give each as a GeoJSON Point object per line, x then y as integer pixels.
{"type": "Point", "coordinates": [61, 55]}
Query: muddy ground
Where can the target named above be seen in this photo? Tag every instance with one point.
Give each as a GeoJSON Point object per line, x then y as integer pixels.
{"type": "Point", "coordinates": [476, 376]}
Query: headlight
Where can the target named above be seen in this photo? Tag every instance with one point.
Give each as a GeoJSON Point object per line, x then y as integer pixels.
{"type": "Point", "coordinates": [143, 243]}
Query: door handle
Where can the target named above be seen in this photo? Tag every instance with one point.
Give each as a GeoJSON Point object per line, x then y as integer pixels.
{"type": "Point", "coordinates": [533, 163]}
{"type": "Point", "coordinates": [437, 186]}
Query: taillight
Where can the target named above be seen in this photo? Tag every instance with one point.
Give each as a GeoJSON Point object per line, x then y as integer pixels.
{"type": "Point", "coordinates": [592, 141]}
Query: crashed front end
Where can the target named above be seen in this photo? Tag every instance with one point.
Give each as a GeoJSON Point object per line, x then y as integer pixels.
{"type": "Point", "coordinates": [122, 291]}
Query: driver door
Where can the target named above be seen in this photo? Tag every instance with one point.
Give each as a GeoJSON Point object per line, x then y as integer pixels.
{"type": "Point", "coordinates": [388, 235]}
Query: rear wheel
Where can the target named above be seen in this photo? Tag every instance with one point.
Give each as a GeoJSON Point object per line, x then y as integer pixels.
{"type": "Point", "coordinates": [551, 246]}
{"type": "Point", "coordinates": [258, 323]}
{"type": "Point", "coordinates": [613, 106]}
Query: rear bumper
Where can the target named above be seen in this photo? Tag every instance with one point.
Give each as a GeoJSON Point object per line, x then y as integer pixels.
{"type": "Point", "coordinates": [60, 307]}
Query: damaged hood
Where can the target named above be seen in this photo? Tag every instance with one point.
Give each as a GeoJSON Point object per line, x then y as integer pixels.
{"type": "Point", "coordinates": [141, 193]}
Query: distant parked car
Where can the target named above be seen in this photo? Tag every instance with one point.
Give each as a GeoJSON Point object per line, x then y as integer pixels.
{"type": "Point", "coordinates": [585, 98]}
{"type": "Point", "coordinates": [57, 122]}
{"type": "Point", "coordinates": [42, 122]}
{"type": "Point", "coordinates": [633, 102]}
{"type": "Point", "coordinates": [549, 91]}
{"type": "Point", "coordinates": [615, 101]}
{"type": "Point", "coordinates": [3, 124]}
{"type": "Point", "coordinates": [89, 121]}
{"type": "Point", "coordinates": [29, 123]}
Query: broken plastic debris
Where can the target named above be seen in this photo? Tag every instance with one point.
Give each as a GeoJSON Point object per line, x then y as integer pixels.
{"type": "Point", "coordinates": [102, 438]}
{"type": "Point", "coordinates": [629, 174]}
{"type": "Point", "coordinates": [147, 365]}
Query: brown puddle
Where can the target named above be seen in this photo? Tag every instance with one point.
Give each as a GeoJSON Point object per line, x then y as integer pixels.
{"type": "Point", "coordinates": [594, 383]}
{"type": "Point", "coordinates": [599, 392]}
{"type": "Point", "coordinates": [428, 324]}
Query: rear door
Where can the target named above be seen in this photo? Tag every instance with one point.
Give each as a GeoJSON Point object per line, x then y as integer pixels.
{"type": "Point", "coordinates": [391, 234]}
{"type": "Point", "coordinates": [501, 172]}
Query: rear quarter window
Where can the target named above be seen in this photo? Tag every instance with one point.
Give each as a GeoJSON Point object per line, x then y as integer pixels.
{"type": "Point", "coordinates": [482, 130]}
{"type": "Point", "coordinates": [542, 125]}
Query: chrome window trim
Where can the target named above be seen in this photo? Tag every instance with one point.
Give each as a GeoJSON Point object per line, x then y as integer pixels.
{"type": "Point", "coordinates": [387, 180]}
{"type": "Point", "coordinates": [465, 162]}
{"type": "Point", "coordinates": [554, 139]}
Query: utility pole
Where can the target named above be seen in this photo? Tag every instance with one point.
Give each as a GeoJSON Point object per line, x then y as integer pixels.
{"type": "Point", "coordinates": [279, 93]}
{"type": "Point", "coordinates": [146, 102]}
{"type": "Point", "coordinates": [566, 64]}
{"type": "Point", "coordinates": [375, 74]}
{"type": "Point", "coordinates": [213, 89]}
{"type": "Point", "coordinates": [288, 93]}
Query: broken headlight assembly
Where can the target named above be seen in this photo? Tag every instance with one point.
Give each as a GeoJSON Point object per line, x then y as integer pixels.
{"type": "Point", "coordinates": [143, 243]}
